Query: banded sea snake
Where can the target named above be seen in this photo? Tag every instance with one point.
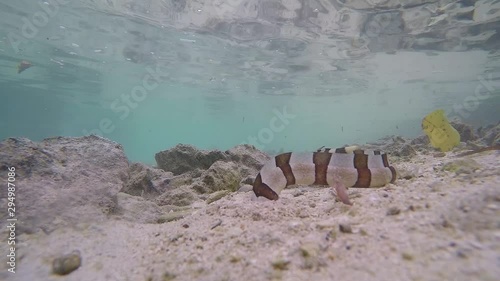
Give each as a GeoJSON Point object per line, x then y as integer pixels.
{"type": "Point", "coordinates": [346, 167]}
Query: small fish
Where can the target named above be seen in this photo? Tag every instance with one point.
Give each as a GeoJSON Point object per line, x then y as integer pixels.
{"type": "Point", "coordinates": [23, 65]}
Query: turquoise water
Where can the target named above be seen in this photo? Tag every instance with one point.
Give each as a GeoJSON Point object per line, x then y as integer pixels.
{"type": "Point", "coordinates": [150, 82]}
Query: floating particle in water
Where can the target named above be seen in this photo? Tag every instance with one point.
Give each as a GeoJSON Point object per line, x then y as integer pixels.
{"type": "Point", "coordinates": [187, 40]}
{"type": "Point", "coordinates": [58, 62]}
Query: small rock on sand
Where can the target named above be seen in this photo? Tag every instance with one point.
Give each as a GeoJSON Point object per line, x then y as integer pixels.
{"type": "Point", "coordinates": [66, 264]}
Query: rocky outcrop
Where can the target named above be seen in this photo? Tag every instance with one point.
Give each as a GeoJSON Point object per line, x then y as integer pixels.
{"type": "Point", "coordinates": [182, 196]}
{"type": "Point", "coordinates": [248, 156]}
{"type": "Point", "coordinates": [467, 132]}
{"type": "Point", "coordinates": [184, 158]}
{"type": "Point", "coordinates": [490, 135]}
{"type": "Point", "coordinates": [214, 172]}
{"type": "Point", "coordinates": [195, 184]}
{"type": "Point", "coordinates": [67, 181]}
{"type": "Point", "coordinates": [222, 176]}
{"type": "Point", "coordinates": [147, 182]}
{"type": "Point", "coordinates": [61, 181]}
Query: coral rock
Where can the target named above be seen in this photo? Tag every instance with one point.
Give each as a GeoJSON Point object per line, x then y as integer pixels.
{"type": "Point", "coordinates": [184, 158]}
{"type": "Point", "coordinates": [65, 180]}
{"type": "Point", "coordinates": [222, 176]}
{"type": "Point", "coordinates": [146, 181]}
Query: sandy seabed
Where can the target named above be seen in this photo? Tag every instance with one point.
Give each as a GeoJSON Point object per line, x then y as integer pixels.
{"type": "Point", "coordinates": [436, 225]}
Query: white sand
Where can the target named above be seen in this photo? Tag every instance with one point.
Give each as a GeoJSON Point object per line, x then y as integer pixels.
{"type": "Point", "coordinates": [448, 229]}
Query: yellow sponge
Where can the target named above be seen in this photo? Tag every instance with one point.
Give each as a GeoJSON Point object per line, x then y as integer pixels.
{"type": "Point", "coordinates": [440, 132]}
